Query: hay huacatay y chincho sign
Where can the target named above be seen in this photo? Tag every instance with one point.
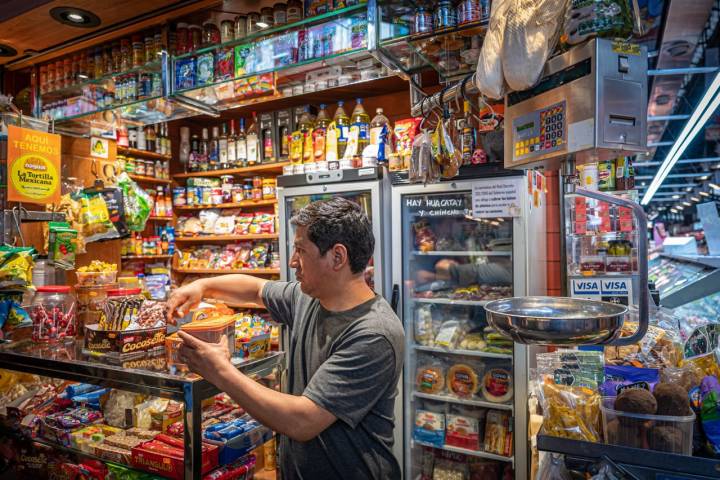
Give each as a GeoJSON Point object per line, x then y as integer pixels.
{"type": "Point", "coordinates": [33, 166]}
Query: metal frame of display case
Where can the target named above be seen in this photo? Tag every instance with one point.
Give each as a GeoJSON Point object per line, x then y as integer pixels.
{"type": "Point", "coordinates": [189, 391]}
{"type": "Point", "coordinates": [644, 464]}
{"type": "Point", "coordinates": [526, 281]}
{"type": "Point", "coordinates": [702, 287]}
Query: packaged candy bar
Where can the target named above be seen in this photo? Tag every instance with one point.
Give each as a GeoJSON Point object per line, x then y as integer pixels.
{"type": "Point", "coordinates": [79, 389]}
{"type": "Point", "coordinates": [185, 73]}
{"type": "Point", "coordinates": [91, 399]}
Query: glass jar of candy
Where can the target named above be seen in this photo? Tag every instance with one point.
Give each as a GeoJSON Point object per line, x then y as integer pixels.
{"type": "Point", "coordinates": [53, 314]}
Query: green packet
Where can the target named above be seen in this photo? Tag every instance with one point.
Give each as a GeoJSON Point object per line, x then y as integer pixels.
{"type": "Point", "coordinates": [62, 245]}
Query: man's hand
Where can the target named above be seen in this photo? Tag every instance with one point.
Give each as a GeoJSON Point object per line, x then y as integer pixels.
{"type": "Point", "coordinates": [205, 359]}
{"type": "Point", "coordinates": [184, 298]}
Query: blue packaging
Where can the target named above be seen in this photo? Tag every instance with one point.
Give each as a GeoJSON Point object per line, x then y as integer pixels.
{"type": "Point", "coordinates": [205, 69]}
{"type": "Point", "coordinates": [429, 428]}
{"type": "Point", "coordinates": [80, 388]}
{"type": "Point", "coordinates": [619, 377]}
{"type": "Point", "coordinates": [185, 73]}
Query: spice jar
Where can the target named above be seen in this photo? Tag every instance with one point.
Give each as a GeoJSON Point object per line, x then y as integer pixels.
{"type": "Point", "coordinates": [279, 14]}
{"type": "Point", "coordinates": [252, 19]}
{"type": "Point", "coordinates": [240, 26]}
{"type": "Point", "coordinates": [53, 314]}
{"type": "Point", "coordinates": [149, 169]}
{"type": "Point", "coordinates": [257, 182]}
{"type": "Point", "coordinates": [237, 193]}
{"type": "Point", "coordinates": [248, 189]}
{"type": "Point", "coordinates": [268, 188]}
{"type": "Point", "coordinates": [267, 16]}
{"type": "Point", "coordinates": [227, 30]}
{"type": "Point", "coordinates": [294, 11]}
{"type": "Point", "coordinates": [196, 34]}
{"type": "Point", "coordinates": [210, 33]}
{"type": "Point", "coordinates": [125, 54]}
{"type": "Point", "coordinates": [227, 187]}
{"type": "Point", "coordinates": [138, 52]}
{"type": "Point", "coordinates": [139, 167]}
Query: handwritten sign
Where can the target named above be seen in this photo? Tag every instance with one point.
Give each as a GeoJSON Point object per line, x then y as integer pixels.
{"type": "Point", "coordinates": [497, 198]}
{"type": "Point", "coordinates": [33, 166]}
{"type": "Point", "coordinates": [445, 205]}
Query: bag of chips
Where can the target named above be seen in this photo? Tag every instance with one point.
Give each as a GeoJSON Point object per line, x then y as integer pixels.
{"type": "Point", "coordinates": [137, 203]}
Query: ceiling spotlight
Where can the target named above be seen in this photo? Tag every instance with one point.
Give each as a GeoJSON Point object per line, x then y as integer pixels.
{"type": "Point", "coordinates": [676, 196]}
{"type": "Point", "coordinates": [688, 189]}
{"type": "Point", "coordinates": [7, 50]}
{"type": "Point", "coordinates": [673, 210]}
{"type": "Point", "coordinates": [680, 207]}
{"type": "Point", "coordinates": [714, 186]}
{"type": "Point", "coordinates": [642, 184]}
{"type": "Point", "coordinates": [75, 17]}
{"type": "Point", "coordinates": [687, 204]}
{"type": "Point", "coordinates": [705, 177]}
{"type": "Point", "coordinates": [695, 199]}
{"type": "Point", "coordinates": [705, 194]}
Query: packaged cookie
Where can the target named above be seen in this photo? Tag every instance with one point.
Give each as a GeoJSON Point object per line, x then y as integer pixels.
{"type": "Point", "coordinates": [429, 428]}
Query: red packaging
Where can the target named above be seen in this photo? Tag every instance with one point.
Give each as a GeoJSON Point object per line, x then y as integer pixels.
{"type": "Point", "coordinates": [167, 460]}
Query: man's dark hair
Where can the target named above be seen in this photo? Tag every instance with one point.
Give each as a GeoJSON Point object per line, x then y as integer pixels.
{"type": "Point", "coordinates": [342, 221]}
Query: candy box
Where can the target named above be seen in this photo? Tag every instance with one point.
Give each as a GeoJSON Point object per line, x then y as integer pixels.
{"type": "Point", "coordinates": [254, 347]}
{"type": "Point", "coordinates": [124, 344]}
{"type": "Point", "coordinates": [239, 446]}
{"type": "Point", "coordinates": [165, 456]}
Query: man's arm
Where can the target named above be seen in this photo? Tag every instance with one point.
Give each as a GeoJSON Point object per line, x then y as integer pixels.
{"type": "Point", "coordinates": [230, 288]}
{"type": "Point", "coordinates": [297, 417]}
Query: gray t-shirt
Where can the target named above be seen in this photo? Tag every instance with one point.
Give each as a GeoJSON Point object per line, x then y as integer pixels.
{"type": "Point", "coordinates": [349, 363]}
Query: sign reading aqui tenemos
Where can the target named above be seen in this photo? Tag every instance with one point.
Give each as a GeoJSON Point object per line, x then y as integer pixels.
{"type": "Point", "coordinates": [33, 166]}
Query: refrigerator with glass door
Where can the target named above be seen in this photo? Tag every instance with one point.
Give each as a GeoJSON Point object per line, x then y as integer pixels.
{"type": "Point", "coordinates": [465, 386]}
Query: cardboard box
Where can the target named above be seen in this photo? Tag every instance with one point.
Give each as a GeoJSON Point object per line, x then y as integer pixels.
{"type": "Point", "coordinates": [171, 463]}
{"type": "Point", "coordinates": [237, 447]}
{"type": "Point", "coordinates": [124, 344]}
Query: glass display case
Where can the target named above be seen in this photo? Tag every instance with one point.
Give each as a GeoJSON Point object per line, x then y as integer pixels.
{"type": "Point", "coordinates": [444, 36]}
{"type": "Point", "coordinates": [146, 374]}
{"type": "Point", "coordinates": [686, 282]}
{"type": "Point", "coordinates": [600, 249]}
{"type": "Point", "coordinates": [465, 385]}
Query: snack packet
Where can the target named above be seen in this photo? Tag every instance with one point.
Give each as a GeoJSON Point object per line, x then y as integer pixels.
{"type": "Point", "coordinates": [95, 218]}
{"type": "Point", "coordinates": [62, 242]}
{"type": "Point", "coordinates": [136, 201]}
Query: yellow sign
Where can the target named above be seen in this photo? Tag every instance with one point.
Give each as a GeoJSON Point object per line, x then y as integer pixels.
{"type": "Point", "coordinates": [33, 166]}
{"type": "Point", "coordinates": [626, 48]}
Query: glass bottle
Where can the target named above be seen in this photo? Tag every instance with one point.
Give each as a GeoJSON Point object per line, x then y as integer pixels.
{"type": "Point", "coordinates": [164, 241]}
{"type": "Point", "coordinates": [342, 123]}
{"type": "Point", "coordinates": [252, 141]}
{"type": "Point", "coordinates": [241, 145]}
{"type": "Point", "coordinates": [214, 153]}
{"type": "Point", "coordinates": [149, 47]}
{"type": "Point", "coordinates": [204, 150]}
{"type": "Point", "coordinates": [306, 125]}
{"type": "Point", "coordinates": [321, 123]}
{"type": "Point", "coordinates": [232, 144]}
{"type": "Point", "coordinates": [210, 33]}
{"type": "Point", "coordinates": [116, 57]}
{"type": "Point", "coordinates": [125, 54]}
{"type": "Point", "coordinates": [107, 60]}
{"type": "Point", "coordinates": [361, 120]}
{"type": "Point", "coordinates": [98, 63]}
{"type": "Point", "coordinates": [160, 202]}
{"type": "Point", "coordinates": [223, 147]}
{"type": "Point", "coordinates": [467, 138]}
{"type": "Point", "coordinates": [168, 142]}
{"type": "Point", "coordinates": [193, 164]}
{"type": "Point", "coordinates": [150, 138]}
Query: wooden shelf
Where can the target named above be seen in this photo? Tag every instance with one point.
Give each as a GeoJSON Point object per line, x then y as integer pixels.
{"type": "Point", "coordinates": [225, 238]}
{"type": "Point", "coordinates": [247, 271]}
{"type": "Point", "coordinates": [276, 167]}
{"type": "Point", "coordinates": [161, 219]}
{"type": "Point", "coordinates": [142, 153]}
{"type": "Point", "coordinates": [243, 204]}
{"type": "Point", "coordinates": [143, 178]}
{"type": "Point", "coordinates": [146, 257]}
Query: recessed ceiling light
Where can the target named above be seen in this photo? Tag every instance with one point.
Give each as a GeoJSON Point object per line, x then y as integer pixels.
{"type": "Point", "coordinates": [695, 199]}
{"type": "Point", "coordinates": [642, 184]}
{"type": "Point", "coordinates": [705, 194]}
{"type": "Point", "coordinates": [7, 51]}
{"type": "Point", "coordinates": [688, 189]}
{"type": "Point", "coordinates": [676, 196]}
{"type": "Point", "coordinates": [687, 204]}
{"type": "Point", "coordinates": [673, 210]}
{"type": "Point", "coordinates": [705, 177]}
{"type": "Point", "coordinates": [714, 186]}
{"type": "Point", "coordinates": [75, 17]}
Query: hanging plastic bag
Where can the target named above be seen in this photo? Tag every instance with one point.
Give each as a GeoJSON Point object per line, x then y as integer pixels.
{"type": "Point", "coordinates": [489, 77]}
{"type": "Point", "coordinates": [137, 203]}
{"type": "Point", "coordinates": [532, 31]}
{"type": "Point", "coordinates": [553, 468]}
{"type": "Point", "coordinates": [423, 168]}
{"type": "Point", "coordinates": [95, 217]}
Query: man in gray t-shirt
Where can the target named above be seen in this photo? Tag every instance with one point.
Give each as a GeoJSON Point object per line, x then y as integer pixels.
{"type": "Point", "coordinates": [345, 350]}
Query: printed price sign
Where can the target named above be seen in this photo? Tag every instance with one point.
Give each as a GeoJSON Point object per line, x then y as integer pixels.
{"type": "Point", "coordinates": [33, 166]}
{"type": "Point", "coordinates": [499, 198]}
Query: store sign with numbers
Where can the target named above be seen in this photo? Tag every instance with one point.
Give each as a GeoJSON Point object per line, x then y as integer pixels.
{"type": "Point", "coordinates": [33, 166]}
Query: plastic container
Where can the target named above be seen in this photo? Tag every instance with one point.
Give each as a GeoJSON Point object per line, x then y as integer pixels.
{"type": "Point", "coordinates": [655, 432]}
{"type": "Point", "coordinates": [89, 304]}
{"type": "Point", "coordinates": [53, 314]}
{"type": "Point", "coordinates": [213, 330]}
{"type": "Point", "coordinates": [96, 278]}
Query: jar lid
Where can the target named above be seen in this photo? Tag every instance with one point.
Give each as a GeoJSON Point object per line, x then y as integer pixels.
{"type": "Point", "coordinates": [54, 289]}
{"type": "Point", "coordinates": [120, 292]}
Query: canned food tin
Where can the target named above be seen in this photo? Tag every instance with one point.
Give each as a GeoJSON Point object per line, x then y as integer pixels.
{"type": "Point", "coordinates": [444, 15]}
{"type": "Point", "coordinates": [216, 196]}
{"type": "Point", "coordinates": [205, 196]}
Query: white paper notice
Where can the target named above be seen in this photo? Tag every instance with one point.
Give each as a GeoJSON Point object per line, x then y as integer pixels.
{"type": "Point", "coordinates": [497, 198]}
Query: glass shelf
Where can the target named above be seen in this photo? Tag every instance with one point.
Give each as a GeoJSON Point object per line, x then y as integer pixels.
{"type": "Point", "coordinates": [451, 52]}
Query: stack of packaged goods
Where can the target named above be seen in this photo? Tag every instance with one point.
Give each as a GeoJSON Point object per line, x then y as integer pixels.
{"type": "Point", "coordinates": [660, 394]}
{"type": "Point", "coordinates": [127, 433]}
{"type": "Point", "coordinates": [16, 264]}
{"type": "Point", "coordinates": [226, 222]}
{"type": "Point", "coordinates": [162, 243]}
{"type": "Point", "coordinates": [217, 191]}
{"type": "Point", "coordinates": [236, 256]}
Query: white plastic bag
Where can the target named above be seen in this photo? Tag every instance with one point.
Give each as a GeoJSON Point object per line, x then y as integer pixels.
{"type": "Point", "coordinates": [531, 33]}
{"type": "Point", "coordinates": [489, 74]}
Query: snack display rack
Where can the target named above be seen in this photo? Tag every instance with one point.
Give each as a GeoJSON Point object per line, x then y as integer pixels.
{"type": "Point", "coordinates": [684, 280]}
{"type": "Point", "coordinates": [69, 363]}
